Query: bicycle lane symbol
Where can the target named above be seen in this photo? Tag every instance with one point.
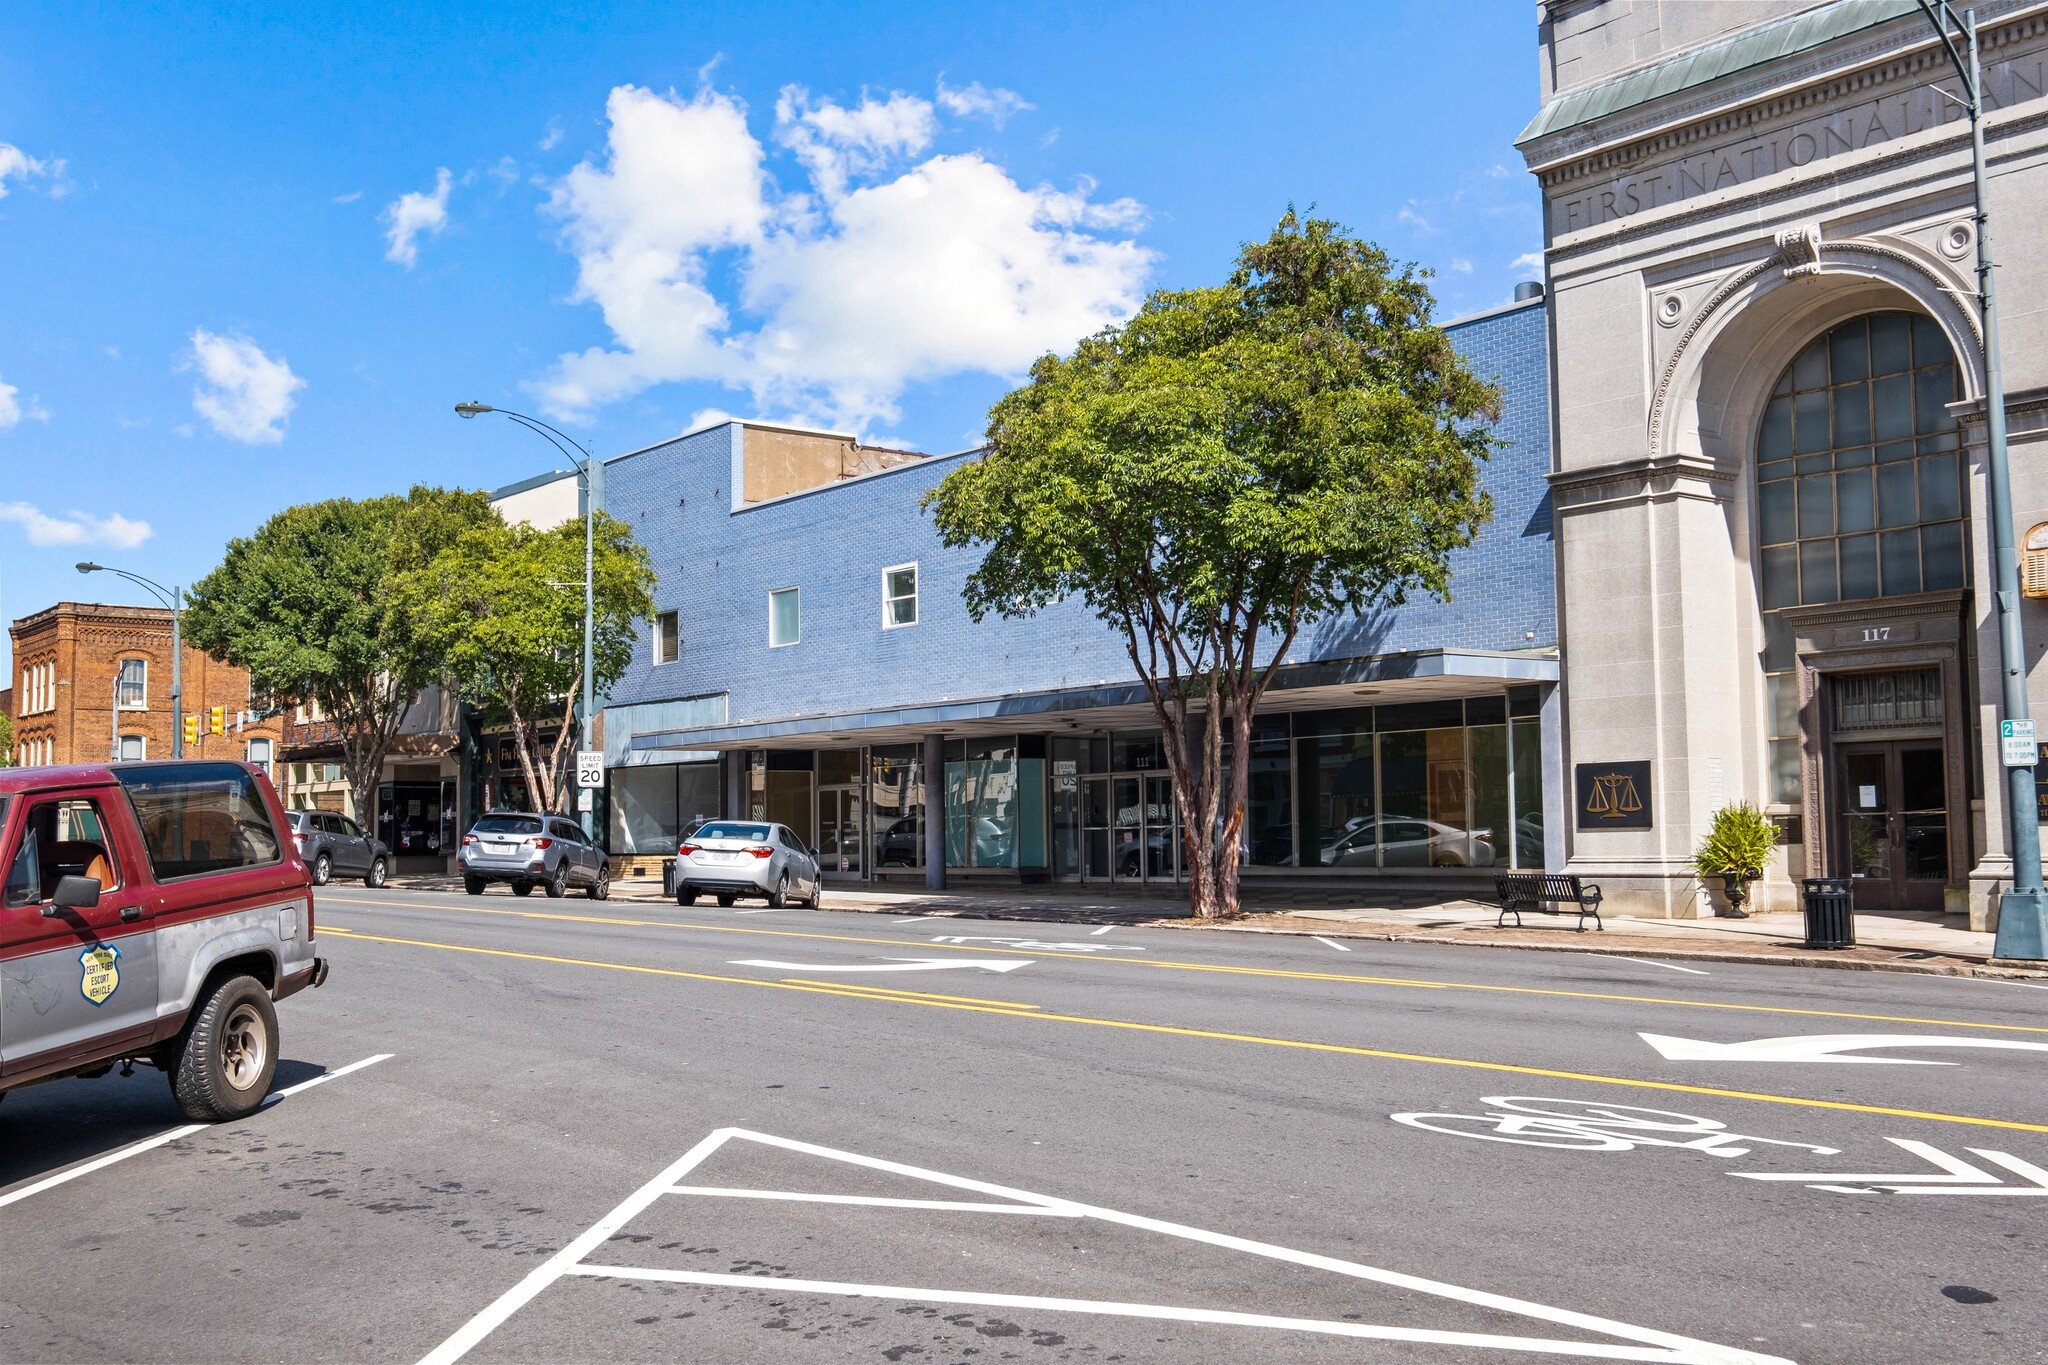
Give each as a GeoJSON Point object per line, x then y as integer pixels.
{"type": "Point", "coordinates": [1590, 1126]}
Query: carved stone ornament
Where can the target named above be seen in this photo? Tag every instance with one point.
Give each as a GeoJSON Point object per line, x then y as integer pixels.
{"type": "Point", "coordinates": [1799, 249]}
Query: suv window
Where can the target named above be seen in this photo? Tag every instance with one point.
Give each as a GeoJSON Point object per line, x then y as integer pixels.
{"type": "Point", "coordinates": [61, 838]}
{"type": "Point", "coordinates": [565, 831]}
{"type": "Point", "coordinates": [345, 827]}
{"type": "Point", "coordinates": [507, 824]}
{"type": "Point", "coordinates": [198, 818]}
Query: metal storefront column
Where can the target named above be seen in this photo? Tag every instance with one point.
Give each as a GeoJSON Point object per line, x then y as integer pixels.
{"type": "Point", "coordinates": [935, 812]}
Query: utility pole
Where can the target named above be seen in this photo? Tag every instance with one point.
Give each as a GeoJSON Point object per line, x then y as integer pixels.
{"type": "Point", "coordinates": [2022, 910]}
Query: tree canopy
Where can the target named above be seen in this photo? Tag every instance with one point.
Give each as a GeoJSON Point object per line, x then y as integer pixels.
{"type": "Point", "coordinates": [305, 604]}
{"type": "Point", "coordinates": [500, 610]}
{"type": "Point", "coordinates": [1226, 467]}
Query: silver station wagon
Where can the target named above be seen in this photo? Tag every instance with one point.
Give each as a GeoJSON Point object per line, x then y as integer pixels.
{"type": "Point", "coordinates": [733, 858]}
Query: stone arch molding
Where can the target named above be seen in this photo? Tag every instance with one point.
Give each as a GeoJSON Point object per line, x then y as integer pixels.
{"type": "Point", "coordinates": [1863, 267]}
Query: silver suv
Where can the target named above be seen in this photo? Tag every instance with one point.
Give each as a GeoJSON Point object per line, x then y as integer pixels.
{"type": "Point", "coordinates": [530, 849]}
{"type": "Point", "coordinates": [330, 844]}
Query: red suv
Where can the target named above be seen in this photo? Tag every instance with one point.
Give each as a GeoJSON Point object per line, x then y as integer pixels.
{"type": "Point", "coordinates": [150, 912]}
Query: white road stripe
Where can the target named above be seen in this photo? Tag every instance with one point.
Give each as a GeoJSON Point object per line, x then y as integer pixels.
{"type": "Point", "coordinates": [1997, 981]}
{"type": "Point", "coordinates": [1535, 1345]}
{"type": "Point", "coordinates": [1330, 943]}
{"type": "Point", "coordinates": [877, 1201]}
{"type": "Point", "coordinates": [1667, 966]}
{"type": "Point", "coordinates": [909, 919]}
{"type": "Point", "coordinates": [148, 1144]}
{"type": "Point", "coordinates": [1103, 930]}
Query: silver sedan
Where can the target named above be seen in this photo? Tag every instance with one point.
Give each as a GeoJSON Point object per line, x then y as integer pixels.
{"type": "Point", "coordinates": [733, 858]}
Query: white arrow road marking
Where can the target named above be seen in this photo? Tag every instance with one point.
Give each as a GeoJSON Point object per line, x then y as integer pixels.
{"type": "Point", "coordinates": [1959, 1177]}
{"type": "Point", "coordinates": [1821, 1047]}
{"type": "Point", "coordinates": [902, 964]}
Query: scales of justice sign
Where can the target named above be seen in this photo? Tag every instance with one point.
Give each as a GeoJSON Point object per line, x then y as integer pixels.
{"type": "Point", "coordinates": [1613, 795]}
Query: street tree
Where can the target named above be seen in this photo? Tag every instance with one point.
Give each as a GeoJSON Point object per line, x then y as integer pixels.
{"type": "Point", "coordinates": [1227, 467]}
{"type": "Point", "coordinates": [501, 610]}
{"type": "Point", "coordinates": [306, 605]}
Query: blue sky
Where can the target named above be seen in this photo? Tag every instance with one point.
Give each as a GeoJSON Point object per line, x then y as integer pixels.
{"type": "Point", "coordinates": [253, 254]}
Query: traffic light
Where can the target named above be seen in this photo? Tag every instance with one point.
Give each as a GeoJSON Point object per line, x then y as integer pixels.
{"type": "Point", "coordinates": [191, 730]}
{"type": "Point", "coordinates": [219, 718]}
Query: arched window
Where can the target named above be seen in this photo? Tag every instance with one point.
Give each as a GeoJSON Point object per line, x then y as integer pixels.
{"type": "Point", "coordinates": [1859, 480]}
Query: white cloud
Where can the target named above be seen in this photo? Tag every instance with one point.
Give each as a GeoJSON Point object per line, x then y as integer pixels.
{"type": "Point", "coordinates": [1461, 266]}
{"type": "Point", "coordinates": [348, 198]}
{"type": "Point", "coordinates": [412, 213]}
{"type": "Point", "coordinates": [1410, 215]}
{"type": "Point", "coordinates": [1529, 263]}
{"type": "Point", "coordinates": [76, 528]}
{"type": "Point", "coordinates": [243, 394]}
{"type": "Point", "coordinates": [882, 275]}
{"type": "Point", "coordinates": [12, 409]}
{"type": "Point", "coordinates": [551, 136]}
{"type": "Point", "coordinates": [977, 101]}
{"type": "Point", "coordinates": [15, 164]}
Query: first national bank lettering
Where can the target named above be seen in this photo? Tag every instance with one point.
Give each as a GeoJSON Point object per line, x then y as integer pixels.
{"type": "Point", "coordinates": [2016, 79]}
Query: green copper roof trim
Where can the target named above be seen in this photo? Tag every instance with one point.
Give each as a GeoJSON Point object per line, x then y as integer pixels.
{"type": "Point", "coordinates": [1730, 56]}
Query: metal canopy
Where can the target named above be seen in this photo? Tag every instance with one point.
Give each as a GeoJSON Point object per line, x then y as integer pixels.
{"type": "Point", "coordinates": [1427, 675]}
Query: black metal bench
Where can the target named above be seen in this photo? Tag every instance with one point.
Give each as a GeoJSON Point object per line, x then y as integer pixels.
{"type": "Point", "coordinates": [1546, 893]}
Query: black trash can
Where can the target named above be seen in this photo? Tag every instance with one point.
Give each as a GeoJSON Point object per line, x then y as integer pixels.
{"type": "Point", "coordinates": [1830, 912]}
{"type": "Point", "coordinates": [668, 878]}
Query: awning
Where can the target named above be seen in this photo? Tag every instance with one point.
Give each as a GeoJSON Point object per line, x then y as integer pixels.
{"type": "Point", "coordinates": [1424, 675]}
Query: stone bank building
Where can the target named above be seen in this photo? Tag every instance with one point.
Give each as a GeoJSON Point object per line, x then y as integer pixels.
{"type": "Point", "coordinates": [1770, 493]}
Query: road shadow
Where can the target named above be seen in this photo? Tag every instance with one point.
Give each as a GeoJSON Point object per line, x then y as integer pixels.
{"type": "Point", "coordinates": [45, 1128]}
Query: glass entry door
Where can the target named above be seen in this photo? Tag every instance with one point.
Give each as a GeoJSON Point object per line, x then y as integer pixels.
{"type": "Point", "coordinates": [842, 837]}
{"type": "Point", "coordinates": [1894, 823]}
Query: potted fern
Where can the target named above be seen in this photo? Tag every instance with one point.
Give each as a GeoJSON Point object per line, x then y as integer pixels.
{"type": "Point", "coordinates": [1735, 850]}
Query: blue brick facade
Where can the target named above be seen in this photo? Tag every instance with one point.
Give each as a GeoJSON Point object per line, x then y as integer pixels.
{"type": "Point", "coordinates": [716, 567]}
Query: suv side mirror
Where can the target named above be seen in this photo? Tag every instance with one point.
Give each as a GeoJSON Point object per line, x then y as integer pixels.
{"type": "Point", "coordinates": [74, 893]}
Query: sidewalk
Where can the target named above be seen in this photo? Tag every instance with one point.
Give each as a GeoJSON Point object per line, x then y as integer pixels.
{"type": "Point", "coordinates": [1925, 944]}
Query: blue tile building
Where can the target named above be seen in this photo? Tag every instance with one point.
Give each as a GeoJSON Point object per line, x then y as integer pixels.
{"type": "Point", "coordinates": [811, 661]}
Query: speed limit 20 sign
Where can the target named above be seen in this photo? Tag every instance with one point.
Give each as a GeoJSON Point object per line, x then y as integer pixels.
{"type": "Point", "coordinates": [590, 767]}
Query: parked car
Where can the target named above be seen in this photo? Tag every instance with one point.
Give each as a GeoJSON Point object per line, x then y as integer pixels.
{"type": "Point", "coordinates": [154, 913]}
{"type": "Point", "coordinates": [1406, 841]}
{"type": "Point", "coordinates": [529, 849]}
{"type": "Point", "coordinates": [330, 843]}
{"type": "Point", "coordinates": [733, 858]}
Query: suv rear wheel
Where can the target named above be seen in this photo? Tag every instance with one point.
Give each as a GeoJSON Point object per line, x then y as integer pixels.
{"type": "Point", "coordinates": [473, 885]}
{"type": "Point", "coordinates": [323, 870]}
{"type": "Point", "coordinates": [601, 889]}
{"type": "Point", "coordinates": [227, 1055]}
{"type": "Point", "coordinates": [522, 888]}
{"type": "Point", "coordinates": [558, 881]}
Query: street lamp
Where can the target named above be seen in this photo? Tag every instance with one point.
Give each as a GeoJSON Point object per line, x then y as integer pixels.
{"type": "Point", "coordinates": [2022, 910]}
{"type": "Point", "coordinates": [591, 472]}
{"type": "Point", "coordinates": [174, 598]}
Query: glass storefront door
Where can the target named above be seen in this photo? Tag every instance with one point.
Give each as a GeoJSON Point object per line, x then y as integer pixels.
{"type": "Point", "coordinates": [842, 833]}
{"type": "Point", "coordinates": [1130, 829]}
{"type": "Point", "coordinates": [1894, 816]}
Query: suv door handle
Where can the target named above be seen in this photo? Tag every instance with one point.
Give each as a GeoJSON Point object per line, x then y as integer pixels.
{"type": "Point", "coordinates": [130, 913]}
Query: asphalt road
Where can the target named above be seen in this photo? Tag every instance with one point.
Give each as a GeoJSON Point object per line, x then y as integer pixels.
{"type": "Point", "coordinates": [626, 1132]}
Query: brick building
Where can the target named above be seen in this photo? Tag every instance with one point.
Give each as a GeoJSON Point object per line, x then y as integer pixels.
{"type": "Point", "coordinates": [811, 661]}
{"type": "Point", "coordinates": [93, 683]}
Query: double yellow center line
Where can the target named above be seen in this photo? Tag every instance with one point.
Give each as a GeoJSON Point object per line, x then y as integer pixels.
{"type": "Point", "coordinates": [1016, 1010]}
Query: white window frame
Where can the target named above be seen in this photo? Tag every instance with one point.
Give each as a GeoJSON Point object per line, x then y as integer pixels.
{"type": "Point", "coordinates": [141, 741]}
{"type": "Point", "coordinates": [654, 646]}
{"type": "Point", "coordinates": [774, 593]}
{"type": "Point", "coordinates": [269, 759]}
{"type": "Point", "coordinates": [121, 681]}
{"type": "Point", "coordinates": [916, 607]}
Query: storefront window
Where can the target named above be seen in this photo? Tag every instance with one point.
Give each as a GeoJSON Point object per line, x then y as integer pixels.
{"type": "Point", "coordinates": [653, 807]}
{"type": "Point", "coordinates": [1268, 802]}
{"type": "Point", "coordinates": [995, 807]}
{"type": "Point", "coordinates": [896, 791]}
{"type": "Point", "coordinates": [1526, 741]}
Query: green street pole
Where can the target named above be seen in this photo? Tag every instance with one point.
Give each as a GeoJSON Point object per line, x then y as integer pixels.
{"type": "Point", "coordinates": [2023, 909]}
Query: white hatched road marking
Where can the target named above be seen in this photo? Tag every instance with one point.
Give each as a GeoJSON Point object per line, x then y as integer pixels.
{"type": "Point", "coordinates": [1959, 1176]}
{"type": "Point", "coordinates": [1329, 943]}
{"type": "Point", "coordinates": [148, 1144]}
{"type": "Point", "coordinates": [1642, 1343]}
{"type": "Point", "coordinates": [1823, 1047]}
{"type": "Point", "coordinates": [1103, 930]}
{"type": "Point", "coordinates": [1667, 966]}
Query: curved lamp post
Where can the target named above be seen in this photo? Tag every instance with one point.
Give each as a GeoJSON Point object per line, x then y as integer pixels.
{"type": "Point", "coordinates": [2022, 910]}
{"type": "Point", "coordinates": [591, 474]}
{"type": "Point", "coordinates": [174, 598]}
